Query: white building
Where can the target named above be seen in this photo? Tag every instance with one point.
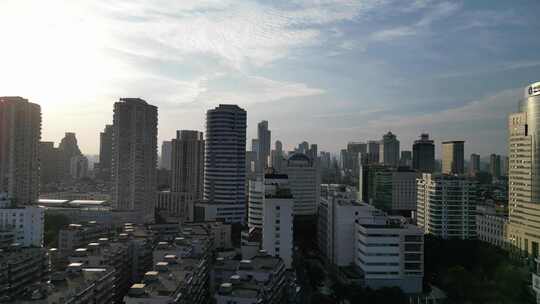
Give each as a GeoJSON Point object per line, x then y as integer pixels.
{"type": "Point", "coordinates": [337, 231]}
{"type": "Point", "coordinates": [387, 251]}
{"type": "Point", "coordinates": [305, 183]}
{"type": "Point", "coordinates": [277, 228]}
{"type": "Point", "coordinates": [225, 163]}
{"type": "Point", "coordinates": [256, 202]}
{"type": "Point", "coordinates": [447, 206]}
{"type": "Point", "coordinates": [26, 221]}
{"type": "Point", "coordinates": [491, 227]}
{"type": "Point", "coordinates": [390, 253]}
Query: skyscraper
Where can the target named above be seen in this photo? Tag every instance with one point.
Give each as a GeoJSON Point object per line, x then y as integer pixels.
{"type": "Point", "coordinates": [389, 150]}
{"type": "Point", "coordinates": [305, 183]}
{"type": "Point", "coordinates": [105, 152]}
{"type": "Point", "coordinates": [524, 170]}
{"type": "Point", "coordinates": [225, 161]}
{"type": "Point", "coordinates": [474, 165]}
{"type": "Point", "coordinates": [373, 147]}
{"type": "Point", "coordinates": [264, 136]}
{"type": "Point", "coordinates": [49, 163]}
{"type": "Point", "coordinates": [20, 133]}
{"type": "Point", "coordinates": [453, 154]}
{"type": "Point", "coordinates": [495, 165]}
{"type": "Point", "coordinates": [134, 157]}
{"type": "Point", "coordinates": [406, 159]}
{"type": "Point", "coordinates": [69, 149]}
{"type": "Point", "coordinates": [424, 154]}
{"type": "Point", "coordinates": [188, 163]}
{"type": "Point", "coordinates": [277, 156]}
{"type": "Point", "coordinates": [166, 155]}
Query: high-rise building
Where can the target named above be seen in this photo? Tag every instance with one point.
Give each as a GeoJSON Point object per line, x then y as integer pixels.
{"type": "Point", "coordinates": [134, 161]}
{"type": "Point", "coordinates": [303, 147]}
{"type": "Point", "coordinates": [78, 167]}
{"type": "Point", "coordinates": [406, 159]}
{"type": "Point", "coordinates": [353, 150]}
{"type": "Point", "coordinates": [524, 173]}
{"type": "Point", "coordinates": [20, 133]}
{"type": "Point", "coordinates": [495, 165]}
{"type": "Point", "coordinates": [105, 152]}
{"type": "Point", "coordinates": [225, 162]}
{"type": "Point", "coordinates": [424, 154]}
{"type": "Point", "coordinates": [277, 218]}
{"type": "Point", "coordinates": [69, 148]}
{"type": "Point", "coordinates": [453, 157]}
{"type": "Point", "coordinates": [504, 165]}
{"type": "Point", "coordinates": [373, 147]}
{"type": "Point", "coordinates": [447, 206]}
{"type": "Point", "coordinates": [277, 157]}
{"type": "Point", "coordinates": [265, 137]}
{"type": "Point", "coordinates": [474, 165]}
{"type": "Point", "coordinates": [390, 189]}
{"type": "Point", "coordinates": [305, 183]}
{"type": "Point", "coordinates": [50, 163]}
{"type": "Point", "coordinates": [188, 163]}
{"type": "Point", "coordinates": [166, 154]}
{"type": "Point", "coordinates": [389, 150]}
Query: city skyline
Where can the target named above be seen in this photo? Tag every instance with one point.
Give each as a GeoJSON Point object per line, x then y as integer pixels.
{"type": "Point", "coordinates": [326, 72]}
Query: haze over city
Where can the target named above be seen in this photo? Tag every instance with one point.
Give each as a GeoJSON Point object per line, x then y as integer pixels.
{"type": "Point", "coordinates": [326, 71]}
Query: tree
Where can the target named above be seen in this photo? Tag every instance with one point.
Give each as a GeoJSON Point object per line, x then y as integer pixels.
{"type": "Point", "coordinates": [53, 224]}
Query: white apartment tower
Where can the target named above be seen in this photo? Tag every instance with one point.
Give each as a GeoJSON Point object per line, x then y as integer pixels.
{"type": "Point", "coordinates": [20, 133]}
{"type": "Point", "coordinates": [225, 162]}
{"type": "Point", "coordinates": [134, 157]}
{"type": "Point", "coordinates": [447, 206]}
{"type": "Point", "coordinates": [277, 226]}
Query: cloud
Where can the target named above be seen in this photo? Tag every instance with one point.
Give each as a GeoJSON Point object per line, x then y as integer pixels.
{"type": "Point", "coordinates": [255, 89]}
{"type": "Point", "coordinates": [429, 14]}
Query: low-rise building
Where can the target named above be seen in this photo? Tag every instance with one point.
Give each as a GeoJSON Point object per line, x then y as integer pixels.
{"type": "Point", "coordinates": [390, 252]}
{"type": "Point", "coordinates": [75, 285]}
{"type": "Point", "coordinates": [25, 221]}
{"type": "Point", "coordinates": [76, 236]}
{"type": "Point", "coordinates": [259, 280]}
{"type": "Point", "coordinates": [181, 270]}
{"type": "Point", "coordinates": [20, 268]}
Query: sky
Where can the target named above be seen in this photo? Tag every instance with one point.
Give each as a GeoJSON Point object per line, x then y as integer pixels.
{"type": "Point", "coordinates": [325, 71]}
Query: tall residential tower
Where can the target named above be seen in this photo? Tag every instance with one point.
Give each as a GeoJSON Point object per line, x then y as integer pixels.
{"type": "Point", "coordinates": [134, 158]}
{"type": "Point", "coordinates": [225, 162]}
{"type": "Point", "coordinates": [20, 133]}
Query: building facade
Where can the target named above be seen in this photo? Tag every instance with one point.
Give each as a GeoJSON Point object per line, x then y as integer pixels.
{"type": "Point", "coordinates": [304, 180]}
{"type": "Point", "coordinates": [424, 154]}
{"type": "Point", "coordinates": [453, 154]}
{"type": "Point", "coordinates": [187, 174]}
{"type": "Point", "coordinates": [20, 133]}
{"type": "Point", "coordinates": [134, 179]}
{"type": "Point", "coordinates": [389, 150]}
{"type": "Point", "coordinates": [447, 206]}
{"type": "Point", "coordinates": [523, 173]}
{"type": "Point", "coordinates": [225, 161]}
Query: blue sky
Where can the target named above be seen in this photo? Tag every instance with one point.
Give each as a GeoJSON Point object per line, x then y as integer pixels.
{"type": "Point", "coordinates": [325, 71]}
